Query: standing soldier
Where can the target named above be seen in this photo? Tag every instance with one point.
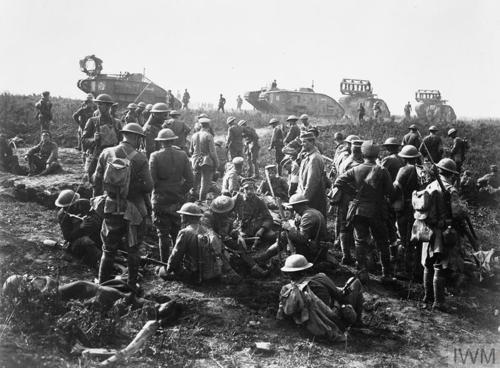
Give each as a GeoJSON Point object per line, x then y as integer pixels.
{"type": "Point", "coordinates": [252, 148]}
{"type": "Point", "coordinates": [239, 102]}
{"type": "Point", "coordinates": [130, 115]}
{"type": "Point", "coordinates": [312, 174]}
{"type": "Point", "coordinates": [292, 165]}
{"type": "Point", "coordinates": [84, 113]}
{"type": "Point", "coordinates": [407, 111]}
{"type": "Point", "coordinates": [44, 111]}
{"type": "Point", "coordinates": [172, 179]}
{"type": "Point", "coordinates": [458, 149]}
{"type": "Point", "coordinates": [277, 142]}
{"type": "Point", "coordinates": [234, 140]}
{"type": "Point", "coordinates": [147, 112]}
{"type": "Point", "coordinates": [185, 99]}
{"type": "Point", "coordinates": [434, 145]}
{"type": "Point", "coordinates": [361, 113]}
{"type": "Point", "coordinates": [372, 184]}
{"type": "Point", "coordinates": [125, 206]}
{"type": "Point", "coordinates": [204, 159]}
{"type": "Point", "coordinates": [170, 100]}
{"type": "Point", "coordinates": [294, 131]}
{"type": "Point", "coordinates": [412, 137]}
{"type": "Point", "coordinates": [304, 119]}
{"type": "Point", "coordinates": [100, 132]}
{"type": "Point", "coordinates": [222, 156]}
{"type": "Point", "coordinates": [180, 129]}
{"type": "Point", "coordinates": [159, 113]}
{"type": "Point", "coordinates": [141, 106]}
{"type": "Point", "coordinates": [222, 103]}
{"type": "Point", "coordinates": [377, 111]}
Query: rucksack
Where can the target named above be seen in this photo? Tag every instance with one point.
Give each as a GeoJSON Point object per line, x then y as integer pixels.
{"type": "Point", "coordinates": [116, 179]}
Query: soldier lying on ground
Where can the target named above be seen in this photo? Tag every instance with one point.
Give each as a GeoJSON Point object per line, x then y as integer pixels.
{"type": "Point", "coordinates": [80, 226]}
{"type": "Point", "coordinates": [42, 159]}
{"type": "Point", "coordinates": [314, 301]}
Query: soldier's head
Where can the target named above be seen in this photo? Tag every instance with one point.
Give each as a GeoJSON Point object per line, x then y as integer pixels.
{"type": "Point", "coordinates": [410, 154]}
{"type": "Point", "coordinates": [452, 133]}
{"type": "Point", "coordinates": [292, 119]}
{"type": "Point", "coordinates": [338, 137]}
{"type": "Point", "coordinates": [307, 140]}
{"type": "Point", "coordinates": [230, 120]}
{"type": "Point", "coordinates": [166, 137]}
{"type": "Point", "coordinates": [413, 128]}
{"type": "Point", "coordinates": [447, 167]}
{"type": "Point", "coordinates": [90, 98]}
{"type": "Point", "coordinates": [190, 213]}
{"type": "Point", "coordinates": [133, 134]}
{"type": "Point", "coordinates": [174, 114]}
{"type": "Point", "coordinates": [140, 107]}
{"type": "Point", "coordinates": [314, 130]}
{"type": "Point", "coordinates": [433, 130]}
{"type": "Point", "coordinates": [304, 118]}
{"type": "Point", "coordinates": [273, 122]}
{"type": "Point", "coordinates": [204, 122]}
{"type": "Point", "coordinates": [222, 205]}
{"type": "Point", "coordinates": [248, 186]}
{"type": "Point", "coordinates": [370, 151]}
{"type": "Point", "coordinates": [238, 164]}
{"type": "Point", "coordinates": [271, 169]}
{"type": "Point", "coordinates": [356, 149]}
{"type": "Point", "coordinates": [131, 107]}
{"type": "Point", "coordinates": [351, 138]}
{"type": "Point", "coordinates": [113, 108]}
{"type": "Point", "coordinates": [104, 102]}
{"type": "Point", "coordinates": [159, 111]}
{"type": "Point", "coordinates": [298, 202]}
{"type": "Point", "coordinates": [46, 94]}
{"type": "Point", "coordinates": [392, 145]}
{"type": "Point", "coordinates": [295, 266]}
{"type": "Point", "coordinates": [46, 136]}
{"type": "Point", "coordinates": [493, 168]}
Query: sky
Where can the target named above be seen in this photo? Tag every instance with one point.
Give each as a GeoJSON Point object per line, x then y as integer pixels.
{"type": "Point", "coordinates": [232, 46]}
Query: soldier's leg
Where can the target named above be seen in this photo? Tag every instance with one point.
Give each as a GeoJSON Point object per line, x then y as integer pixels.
{"type": "Point", "coordinates": [380, 235]}
{"type": "Point", "coordinates": [160, 221]}
{"type": "Point", "coordinates": [197, 181]}
{"type": "Point", "coordinates": [255, 157]}
{"type": "Point", "coordinates": [345, 233]}
{"type": "Point", "coordinates": [36, 165]}
{"type": "Point", "coordinates": [279, 158]}
{"type": "Point", "coordinates": [90, 166]}
{"type": "Point", "coordinates": [207, 173]}
{"type": "Point", "coordinates": [134, 238]}
{"type": "Point", "coordinates": [361, 239]}
{"type": "Point", "coordinates": [112, 230]}
{"type": "Point", "coordinates": [53, 168]}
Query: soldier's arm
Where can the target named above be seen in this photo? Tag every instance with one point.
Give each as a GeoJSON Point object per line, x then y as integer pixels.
{"type": "Point", "coordinates": [99, 174]}
{"type": "Point", "coordinates": [175, 259]}
{"type": "Point", "coordinates": [313, 178]}
{"type": "Point", "coordinates": [152, 168]}
{"type": "Point", "coordinates": [144, 182]}
{"type": "Point", "coordinates": [213, 153]}
{"type": "Point", "coordinates": [229, 137]}
{"type": "Point", "coordinates": [387, 182]}
{"type": "Point", "coordinates": [346, 181]}
{"type": "Point", "coordinates": [88, 133]}
{"type": "Point", "coordinates": [76, 115]}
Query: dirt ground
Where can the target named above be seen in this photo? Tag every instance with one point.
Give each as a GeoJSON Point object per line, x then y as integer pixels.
{"type": "Point", "coordinates": [220, 323]}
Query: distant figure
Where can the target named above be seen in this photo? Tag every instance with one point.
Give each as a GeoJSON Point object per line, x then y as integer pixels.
{"type": "Point", "coordinates": [185, 99]}
{"type": "Point", "coordinates": [170, 100]}
{"type": "Point", "coordinates": [239, 102]}
{"type": "Point", "coordinates": [274, 85]}
{"type": "Point", "coordinates": [141, 106]}
{"type": "Point", "coordinates": [130, 116]}
{"type": "Point", "coordinates": [222, 102]}
{"type": "Point", "coordinates": [44, 111]}
{"type": "Point", "coordinates": [458, 148]}
{"type": "Point", "coordinates": [377, 111]}
{"type": "Point", "coordinates": [412, 137]}
{"type": "Point", "coordinates": [42, 159]}
{"type": "Point", "coordinates": [84, 113]}
{"type": "Point", "coordinates": [432, 145]}
{"type": "Point", "coordinates": [9, 161]}
{"type": "Point", "coordinates": [407, 110]}
{"type": "Point", "coordinates": [361, 112]}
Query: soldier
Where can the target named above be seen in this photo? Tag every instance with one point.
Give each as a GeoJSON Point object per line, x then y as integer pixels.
{"type": "Point", "coordinates": [277, 142]}
{"type": "Point", "coordinates": [221, 104]}
{"type": "Point", "coordinates": [124, 210]}
{"type": "Point", "coordinates": [204, 160]}
{"type": "Point", "coordinates": [253, 215]}
{"type": "Point", "coordinates": [468, 190]}
{"type": "Point", "coordinates": [294, 131]}
{"type": "Point", "coordinates": [9, 162]}
{"type": "Point", "coordinates": [366, 211]}
{"type": "Point", "coordinates": [139, 112]}
{"type": "Point", "coordinates": [444, 243]}
{"type": "Point", "coordinates": [458, 149]}
{"type": "Point", "coordinates": [231, 182]}
{"type": "Point", "coordinates": [341, 154]}
{"type": "Point", "coordinates": [304, 119]}
{"type": "Point", "coordinates": [170, 100]}
{"type": "Point", "coordinates": [185, 99]}
{"type": "Point", "coordinates": [84, 113]}
{"type": "Point", "coordinates": [312, 174]}
{"type": "Point", "coordinates": [292, 164]}
{"type": "Point", "coordinates": [100, 132]}
{"type": "Point", "coordinates": [274, 85]}
{"type": "Point", "coordinates": [234, 140]}
{"type": "Point", "coordinates": [112, 112]}
{"type": "Point", "coordinates": [44, 111]}
{"type": "Point", "coordinates": [130, 115]}
{"type": "Point", "coordinates": [407, 111]}
{"type": "Point", "coordinates": [179, 128]}
{"type": "Point", "coordinates": [377, 111]}
{"type": "Point", "coordinates": [279, 185]}
{"type": "Point", "coordinates": [172, 179]}
{"type": "Point", "coordinates": [392, 162]}
{"type": "Point", "coordinates": [432, 145]}
{"type": "Point", "coordinates": [147, 113]}
{"type": "Point", "coordinates": [405, 183]}
{"type": "Point", "coordinates": [412, 137]}
{"type": "Point", "coordinates": [361, 113]}
{"type": "Point", "coordinates": [338, 138]}
{"type": "Point", "coordinates": [239, 103]}
{"type": "Point", "coordinates": [491, 179]}
{"type": "Point", "coordinates": [43, 158]}
{"type": "Point", "coordinates": [159, 113]}
{"type": "Point", "coordinates": [252, 148]}
{"type": "Point", "coordinates": [80, 227]}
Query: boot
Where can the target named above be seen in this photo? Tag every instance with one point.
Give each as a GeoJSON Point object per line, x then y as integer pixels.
{"type": "Point", "coordinates": [428, 285]}
{"type": "Point", "coordinates": [164, 243]}
{"type": "Point", "coordinates": [393, 252]}
{"type": "Point", "coordinates": [133, 261]}
{"type": "Point", "coordinates": [106, 267]}
{"type": "Point", "coordinates": [387, 274]}
{"type": "Point", "coordinates": [345, 244]}
{"type": "Point", "coordinates": [438, 283]}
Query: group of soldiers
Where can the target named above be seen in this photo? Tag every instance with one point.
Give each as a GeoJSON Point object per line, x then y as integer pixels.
{"type": "Point", "coordinates": [145, 174]}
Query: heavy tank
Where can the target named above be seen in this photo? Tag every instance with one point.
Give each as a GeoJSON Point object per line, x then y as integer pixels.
{"type": "Point", "coordinates": [301, 101]}
{"type": "Point", "coordinates": [123, 87]}
{"type": "Point", "coordinates": [432, 108]}
{"type": "Point", "coordinates": [358, 91]}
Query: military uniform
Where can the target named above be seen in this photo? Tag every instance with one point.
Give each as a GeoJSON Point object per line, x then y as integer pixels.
{"type": "Point", "coordinates": [292, 134]}
{"type": "Point", "coordinates": [204, 161]}
{"type": "Point", "coordinates": [253, 215]}
{"type": "Point", "coordinates": [458, 150]}
{"type": "Point", "coordinates": [43, 158]}
{"type": "Point", "coordinates": [252, 149]}
{"type": "Point", "coordinates": [8, 161]}
{"type": "Point", "coordinates": [306, 237]}
{"type": "Point", "coordinates": [180, 129]}
{"type": "Point", "coordinates": [173, 178]}
{"type": "Point", "coordinates": [44, 113]}
{"type": "Point", "coordinates": [412, 138]}
{"type": "Point", "coordinates": [434, 145]}
{"type": "Point", "coordinates": [130, 117]}
{"type": "Point", "coordinates": [234, 141]}
{"type": "Point", "coordinates": [81, 116]}
{"type": "Point", "coordinates": [231, 182]}
{"type": "Point", "coordinates": [123, 217]}
{"type": "Point", "coordinates": [151, 130]}
{"type": "Point", "coordinates": [277, 140]}
{"type": "Point", "coordinates": [312, 180]}
{"type": "Point", "coordinates": [185, 100]}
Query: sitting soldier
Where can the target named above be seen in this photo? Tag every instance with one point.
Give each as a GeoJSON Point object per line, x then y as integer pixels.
{"type": "Point", "coordinates": [280, 187]}
{"type": "Point", "coordinates": [221, 152]}
{"type": "Point", "coordinates": [80, 226]}
{"type": "Point", "coordinates": [42, 159]}
{"type": "Point", "coordinates": [315, 302]}
{"type": "Point", "coordinates": [231, 181]}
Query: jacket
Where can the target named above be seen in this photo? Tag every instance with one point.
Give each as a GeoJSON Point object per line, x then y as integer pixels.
{"type": "Point", "coordinates": [253, 214]}
{"type": "Point", "coordinates": [151, 130]}
{"type": "Point", "coordinates": [204, 149]}
{"type": "Point", "coordinates": [312, 180]}
{"type": "Point", "coordinates": [48, 151]}
{"type": "Point", "coordinates": [234, 140]}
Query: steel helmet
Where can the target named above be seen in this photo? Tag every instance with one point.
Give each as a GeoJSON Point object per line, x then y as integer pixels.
{"type": "Point", "coordinates": [166, 135]}
{"type": "Point", "coordinates": [304, 117]}
{"type": "Point", "coordinates": [338, 136]}
{"type": "Point", "coordinates": [246, 182]}
{"type": "Point", "coordinates": [292, 118]}
{"type": "Point", "coordinates": [131, 106]}
{"type": "Point", "coordinates": [451, 131]}
{"type": "Point", "coordinates": [296, 262]}
{"type": "Point", "coordinates": [66, 198]}
{"type": "Point", "coordinates": [222, 204]}
{"type": "Point", "coordinates": [190, 209]}
{"type": "Point", "coordinates": [159, 107]}
{"type": "Point", "coordinates": [104, 99]}
{"type": "Point", "coordinates": [413, 127]}
{"type": "Point", "coordinates": [447, 164]}
{"type": "Point", "coordinates": [368, 149]}
{"type": "Point", "coordinates": [141, 104]}
{"type": "Point", "coordinates": [391, 142]}
{"type": "Point", "coordinates": [307, 135]}
{"type": "Point", "coordinates": [409, 151]}
{"type": "Point", "coordinates": [238, 160]}
{"type": "Point", "coordinates": [204, 121]}
{"type": "Point", "coordinates": [202, 115]}
{"type": "Point", "coordinates": [148, 107]}
{"type": "Point", "coordinates": [230, 120]}
{"type": "Point", "coordinates": [297, 198]}
{"type": "Point", "coordinates": [351, 138]}
{"type": "Point", "coordinates": [433, 128]}
{"type": "Point", "coordinates": [133, 128]}
{"type": "Point", "coordinates": [90, 97]}
{"type": "Point", "coordinates": [174, 113]}
{"type": "Point", "coordinates": [242, 122]}
{"type": "Point", "coordinates": [273, 121]}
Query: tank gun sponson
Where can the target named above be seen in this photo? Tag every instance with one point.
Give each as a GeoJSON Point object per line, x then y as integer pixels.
{"type": "Point", "coordinates": [356, 87]}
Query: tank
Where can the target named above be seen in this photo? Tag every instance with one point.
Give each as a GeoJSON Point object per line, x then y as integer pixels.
{"type": "Point", "coordinates": [124, 87]}
{"type": "Point", "coordinates": [302, 101]}
{"type": "Point", "coordinates": [356, 91]}
{"type": "Point", "coordinates": [432, 108]}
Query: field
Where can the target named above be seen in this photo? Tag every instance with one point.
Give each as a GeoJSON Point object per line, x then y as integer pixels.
{"type": "Point", "coordinates": [220, 323]}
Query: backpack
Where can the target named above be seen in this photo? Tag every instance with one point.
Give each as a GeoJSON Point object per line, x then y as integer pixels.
{"type": "Point", "coordinates": [116, 179]}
